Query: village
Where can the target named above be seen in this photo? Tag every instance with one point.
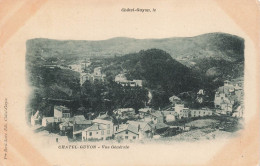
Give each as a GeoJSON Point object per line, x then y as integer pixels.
{"type": "Point", "coordinates": [128, 124]}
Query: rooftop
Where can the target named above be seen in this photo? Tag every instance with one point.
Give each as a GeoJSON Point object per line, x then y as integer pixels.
{"type": "Point", "coordinates": [95, 127]}
{"type": "Point", "coordinates": [79, 117]}
{"type": "Point", "coordinates": [141, 124]}
{"type": "Point", "coordinates": [66, 124]}
{"type": "Point", "coordinates": [61, 108]}
{"type": "Point", "coordinates": [161, 125]}
{"type": "Point", "coordinates": [157, 114]}
{"type": "Point", "coordinates": [102, 121]}
{"type": "Point", "coordinates": [128, 127]}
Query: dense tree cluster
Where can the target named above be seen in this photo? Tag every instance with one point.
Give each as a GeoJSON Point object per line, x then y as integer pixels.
{"type": "Point", "coordinates": [163, 75]}
{"type": "Point", "coordinates": [107, 96]}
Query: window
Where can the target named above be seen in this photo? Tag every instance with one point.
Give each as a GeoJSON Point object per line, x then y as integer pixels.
{"type": "Point", "coordinates": [66, 115]}
{"type": "Point", "coordinates": [90, 133]}
{"type": "Point", "coordinates": [126, 132]}
{"type": "Point", "coordinates": [57, 139]}
{"type": "Point", "coordinates": [108, 131]}
{"type": "Point", "coordinates": [126, 137]}
{"type": "Point", "coordinates": [97, 132]}
{"type": "Point", "coordinates": [108, 126]}
{"type": "Point", "coordinates": [134, 137]}
{"type": "Point", "coordinates": [102, 132]}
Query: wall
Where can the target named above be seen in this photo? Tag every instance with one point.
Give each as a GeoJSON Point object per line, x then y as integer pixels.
{"type": "Point", "coordinates": [123, 134]}
{"type": "Point", "coordinates": [57, 113]}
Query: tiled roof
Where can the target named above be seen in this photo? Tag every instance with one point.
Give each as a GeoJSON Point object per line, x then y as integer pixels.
{"type": "Point", "coordinates": [95, 127]}
{"type": "Point", "coordinates": [66, 124]}
{"type": "Point", "coordinates": [161, 125]}
{"type": "Point", "coordinates": [61, 108]}
{"type": "Point", "coordinates": [104, 117]}
{"type": "Point", "coordinates": [102, 121]}
{"type": "Point", "coordinates": [128, 127]}
{"type": "Point", "coordinates": [79, 118]}
{"type": "Point", "coordinates": [141, 123]}
{"type": "Point", "coordinates": [84, 122]}
{"type": "Point", "coordinates": [157, 114]}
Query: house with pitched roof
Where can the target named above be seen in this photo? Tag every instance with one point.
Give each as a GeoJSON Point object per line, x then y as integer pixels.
{"type": "Point", "coordinates": [108, 125]}
{"type": "Point", "coordinates": [157, 117]}
{"type": "Point", "coordinates": [47, 121]}
{"type": "Point", "coordinates": [66, 128]}
{"type": "Point", "coordinates": [127, 132]}
{"type": "Point", "coordinates": [94, 133]}
{"type": "Point", "coordinates": [160, 128]}
{"type": "Point", "coordinates": [145, 128]}
{"type": "Point", "coordinates": [80, 124]}
{"type": "Point", "coordinates": [35, 119]}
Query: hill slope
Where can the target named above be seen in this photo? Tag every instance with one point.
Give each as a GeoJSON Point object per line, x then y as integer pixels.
{"type": "Point", "coordinates": [160, 73]}
{"type": "Point", "coordinates": [216, 45]}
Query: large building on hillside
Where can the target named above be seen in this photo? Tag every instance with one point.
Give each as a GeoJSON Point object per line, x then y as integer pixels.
{"type": "Point", "coordinates": [61, 112]}
{"type": "Point", "coordinates": [201, 112]}
{"type": "Point", "coordinates": [124, 112]}
{"type": "Point", "coordinates": [181, 111]}
{"type": "Point", "coordinates": [95, 76]}
{"type": "Point", "coordinates": [122, 80]}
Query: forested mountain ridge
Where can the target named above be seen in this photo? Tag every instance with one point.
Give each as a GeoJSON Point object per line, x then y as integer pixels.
{"type": "Point", "coordinates": [160, 73]}
{"type": "Point", "coordinates": [215, 45]}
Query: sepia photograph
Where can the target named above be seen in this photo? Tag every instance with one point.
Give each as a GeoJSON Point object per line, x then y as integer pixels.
{"type": "Point", "coordinates": [132, 83]}
{"type": "Point", "coordinates": [127, 89]}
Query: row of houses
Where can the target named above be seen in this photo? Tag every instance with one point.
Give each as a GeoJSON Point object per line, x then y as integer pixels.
{"type": "Point", "coordinates": [102, 127]}
{"type": "Point", "coordinates": [149, 123]}
{"type": "Point", "coordinates": [178, 111]}
{"type": "Point", "coordinates": [146, 123]}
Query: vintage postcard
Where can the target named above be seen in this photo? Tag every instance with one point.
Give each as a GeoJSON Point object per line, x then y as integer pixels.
{"type": "Point", "coordinates": [140, 83]}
